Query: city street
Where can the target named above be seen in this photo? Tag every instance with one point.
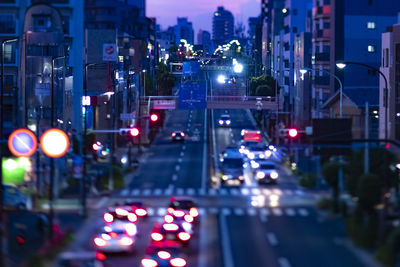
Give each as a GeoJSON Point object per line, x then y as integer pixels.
{"type": "Point", "coordinates": [244, 226]}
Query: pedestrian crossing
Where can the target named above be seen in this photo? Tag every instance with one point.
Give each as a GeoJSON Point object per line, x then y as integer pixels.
{"type": "Point", "coordinates": [245, 191]}
{"type": "Point", "coordinates": [263, 213]}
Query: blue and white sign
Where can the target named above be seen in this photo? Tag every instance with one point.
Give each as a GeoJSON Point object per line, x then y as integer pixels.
{"type": "Point", "coordinates": [192, 95]}
{"type": "Point", "coordinates": [190, 68]}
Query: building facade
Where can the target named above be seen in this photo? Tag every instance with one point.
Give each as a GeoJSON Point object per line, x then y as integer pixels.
{"type": "Point", "coordinates": [222, 26]}
{"type": "Point", "coordinates": [184, 30]}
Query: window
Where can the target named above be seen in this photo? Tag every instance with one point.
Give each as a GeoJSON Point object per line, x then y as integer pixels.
{"type": "Point", "coordinates": [41, 22]}
{"type": "Point", "coordinates": [371, 48]}
{"type": "Point", "coordinates": [7, 23]}
{"type": "Point", "coordinates": [10, 53]}
{"type": "Point", "coordinates": [371, 25]}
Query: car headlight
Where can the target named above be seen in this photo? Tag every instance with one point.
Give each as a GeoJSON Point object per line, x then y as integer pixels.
{"type": "Point", "coordinates": [221, 122]}
{"type": "Point", "coordinates": [260, 175]}
{"type": "Point", "coordinates": [241, 177]}
{"type": "Point", "coordinates": [251, 155]}
{"type": "Point", "coordinates": [268, 153]}
{"type": "Point", "coordinates": [254, 164]}
{"type": "Point", "coordinates": [226, 177]}
{"type": "Point", "coordinates": [261, 156]}
{"type": "Point", "coordinates": [228, 122]}
{"type": "Point", "coordinates": [274, 175]}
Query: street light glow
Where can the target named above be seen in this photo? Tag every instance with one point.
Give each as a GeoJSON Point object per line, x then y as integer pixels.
{"type": "Point", "coordinates": [221, 78]}
{"type": "Point", "coordinates": [238, 68]}
{"type": "Point", "coordinates": [303, 71]}
{"type": "Point", "coordinates": [341, 65]}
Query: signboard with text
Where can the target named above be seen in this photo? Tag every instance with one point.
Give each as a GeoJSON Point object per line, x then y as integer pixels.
{"type": "Point", "coordinates": [192, 95]}
{"type": "Point", "coordinates": [164, 104]}
{"type": "Point", "coordinates": [110, 52]}
{"type": "Point", "coordinates": [191, 68]}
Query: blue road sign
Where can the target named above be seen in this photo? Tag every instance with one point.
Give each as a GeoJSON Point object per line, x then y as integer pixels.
{"type": "Point", "coordinates": [192, 95]}
{"type": "Point", "coordinates": [190, 68]}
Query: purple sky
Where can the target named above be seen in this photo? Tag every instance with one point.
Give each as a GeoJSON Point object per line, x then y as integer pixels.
{"type": "Point", "coordinates": [200, 11]}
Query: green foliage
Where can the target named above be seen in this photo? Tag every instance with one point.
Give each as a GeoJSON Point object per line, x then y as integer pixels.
{"type": "Point", "coordinates": [388, 253]}
{"type": "Point", "coordinates": [308, 180]}
{"type": "Point", "coordinates": [262, 86]}
{"type": "Point", "coordinates": [363, 229]}
{"type": "Point", "coordinates": [165, 80]}
{"type": "Point", "coordinates": [380, 160]}
{"type": "Point", "coordinates": [149, 84]}
{"type": "Point", "coordinates": [330, 171]}
{"type": "Point", "coordinates": [325, 204]}
{"type": "Point", "coordinates": [369, 191]}
{"type": "Point", "coordinates": [118, 175]}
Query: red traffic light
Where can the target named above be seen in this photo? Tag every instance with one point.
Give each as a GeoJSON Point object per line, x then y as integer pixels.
{"type": "Point", "coordinates": [293, 133]}
{"type": "Point", "coordinates": [134, 132]}
{"type": "Point", "coordinates": [153, 117]}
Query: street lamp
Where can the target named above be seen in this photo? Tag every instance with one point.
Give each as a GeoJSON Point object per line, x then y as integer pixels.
{"type": "Point", "coordinates": [221, 78]}
{"type": "Point", "coordinates": [3, 241]}
{"type": "Point", "coordinates": [305, 70]}
{"type": "Point", "coordinates": [343, 64]}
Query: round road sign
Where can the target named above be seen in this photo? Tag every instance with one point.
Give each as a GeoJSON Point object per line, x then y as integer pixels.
{"type": "Point", "coordinates": [22, 143]}
{"type": "Point", "coordinates": [54, 143]}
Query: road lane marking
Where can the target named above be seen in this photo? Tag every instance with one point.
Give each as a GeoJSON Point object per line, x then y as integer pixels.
{"type": "Point", "coordinates": [213, 210]}
{"type": "Point", "coordinates": [288, 192]}
{"type": "Point", "coordinates": [183, 147]}
{"type": "Point", "coordinates": [212, 191]}
{"type": "Point", "coordinates": [146, 192]}
{"type": "Point", "coordinates": [251, 211]}
{"type": "Point", "coordinates": [264, 212]}
{"type": "Point", "coordinates": [150, 211]}
{"type": "Point", "coordinates": [174, 177]}
{"type": "Point", "coordinates": [204, 166]}
{"type": "Point", "coordinates": [263, 218]}
{"type": "Point", "coordinates": [226, 243]}
{"type": "Point", "coordinates": [223, 191]}
{"type": "Point", "coordinates": [157, 192]}
{"type": "Point", "coordinates": [180, 160]}
{"type": "Point", "coordinates": [203, 234]}
{"type": "Point", "coordinates": [182, 154]}
{"type": "Point", "coordinates": [277, 211]}
{"type": "Point", "coordinates": [283, 262]}
{"type": "Point", "coordinates": [277, 191]}
{"type": "Point", "coordinates": [202, 211]}
{"type": "Point", "coordinates": [290, 212]}
{"type": "Point", "coordinates": [256, 191]}
{"type": "Point", "coordinates": [239, 211]}
{"type": "Point", "coordinates": [202, 191]}
{"type": "Point", "coordinates": [135, 192]}
{"type": "Point", "coordinates": [245, 191]}
{"type": "Point", "coordinates": [303, 212]}
{"type": "Point", "coordinates": [226, 211]}
{"type": "Point", "coordinates": [234, 191]}
{"type": "Point", "coordinates": [125, 192]}
{"type": "Point", "coordinates": [177, 167]}
{"type": "Point", "coordinates": [101, 202]}
{"type": "Point", "coordinates": [161, 211]}
{"type": "Point", "coordinates": [266, 192]}
{"type": "Point", "coordinates": [187, 129]}
{"type": "Point", "coordinates": [272, 239]}
{"type": "Point", "coordinates": [191, 191]}
{"type": "Point", "coordinates": [299, 192]}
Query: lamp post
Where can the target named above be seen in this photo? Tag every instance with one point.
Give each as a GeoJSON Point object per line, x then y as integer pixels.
{"type": "Point", "coordinates": [343, 64]}
{"type": "Point", "coordinates": [3, 239]}
{"type": "Point", "coordinates": [305, 70]}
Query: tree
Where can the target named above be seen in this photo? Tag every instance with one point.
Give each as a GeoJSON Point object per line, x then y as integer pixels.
{"type": "Point", "coordinates": [330, 172]}
{"type": "Point", "coordinates": [369, 192]}
{"type": "Point", "coordinates": [262, 86]}
{"type": "Point", "coordinates": [165, 80]}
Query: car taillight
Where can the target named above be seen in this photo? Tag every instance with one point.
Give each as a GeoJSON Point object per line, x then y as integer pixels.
{"type": "Point", "coordinates": [179, 213]}
{"type": "Point", "coordinates": [125, 241]}
{"type": "Point", "coordinates": [173, 134]}
{"type": "Point", "coordinates": [157, 236]}
{"type": "Point", "coordinates": [141, 212]}
{"type": "Point", "coordinates": [170, 227]}
{"type": "Point", "coordinates": [188, 218]}
{"type": "Point", "coordinates": [184, 236]}
{"type": "Point", "coordinates": [170, 210]}
{"type": "Point", "coordinates": [121, 212]}
{"type": "Point", "coordinates": [164, 255]}
{"type": "Point", "coordinates": [194, 212]}
{"type": "Point", "coordinates": [183, 134]}
{"type": "Point", "coordinates": [177, 262]}
{"type": "Point", "coordinates": [100, 242]}
{"type": "Point", "coordinates": [100, 256]}
{"type": "Point", "coordinates": [108, 217]}
{"type": "Point", "coordinates": [113, 235]}
{"type": "Point", "coordinates": [149, 263]}
{"type": "Point", "coordinates": [132, 217]}
{"type": "Point", "coordinates": [168, 218]}
{"type": "Point", "coordinates": [131, 229]}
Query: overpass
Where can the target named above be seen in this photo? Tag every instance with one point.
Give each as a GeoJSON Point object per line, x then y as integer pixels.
{"type": "Point", "coordinates": [218, 102]}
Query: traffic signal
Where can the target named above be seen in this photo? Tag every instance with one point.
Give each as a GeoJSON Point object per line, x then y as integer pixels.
{"type": "Point", "coordinates": [134, 132]}
{"type": "Point", "coordinates": [129, 132]}
{"type": "Point", "coordinates": [293, 133]}
{"type": "Point", "coordinates": [154, 117]}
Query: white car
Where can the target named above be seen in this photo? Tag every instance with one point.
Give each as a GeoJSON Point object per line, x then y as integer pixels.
{"type": "Point", "coordinates": [116, 237]}
{"type": "Point", "coordinates": [224, 120]}
{"type": "Point", "coordinates": [265, 172]}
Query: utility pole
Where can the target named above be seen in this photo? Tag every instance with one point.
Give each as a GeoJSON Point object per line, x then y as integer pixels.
{"type": "Point", "coordinates": [366, 149]}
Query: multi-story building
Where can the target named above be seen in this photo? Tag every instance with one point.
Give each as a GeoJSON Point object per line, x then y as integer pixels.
{"type": "Point", "coordinates": [184, 30]}
{"type": "Point", "coordinates": [389, 115]}
{"type": "Point", "coordinates": [349, 31]}
{"type": "Point", "coordinates": [204, 39]}
{"type": "Point", "coordinates": [223, 26]}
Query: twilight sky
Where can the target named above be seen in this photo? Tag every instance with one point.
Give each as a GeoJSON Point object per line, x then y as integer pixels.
{"type": "Point", "coordinates": [200, 11]}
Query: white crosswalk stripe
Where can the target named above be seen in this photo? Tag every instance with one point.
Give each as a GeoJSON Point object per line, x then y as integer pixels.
{"type": "Point", "coordinates": [212, 191]}
{"type": "Point", "coordinates": [124, 192]}
{"type": "Point", "coordinates": [288, 192]}
{"type": "Point", "coordinates": [252, 212]}
{"type": "Point", "coordinates": [202, 211]}
{"type": "Point", "coordinates": [290, 212]}
{"type": "Point", "coordinates": [202, 191]}
{"type": "Point", "coordinates": [277, 191]}
{"type": "Point", "coordinates": [266, 192]}
{"type": "Point", "coordinates": [135, 192]}
{"type": "Point", "coordinates": [264, 212]}
{"type": "Point", "coordinates": [191, 191]}
{"type": "Point", "coordinates": [234, 191]}
{"type": "Point", "coordinates": [299, 192]}
{"type": "Point", "coordinates": [223, 191]}
{"type": "Point", "coordinates": [161, 211]}
{"type": "Point", "coordinates": [226, 211]}
{"type": "Point", "coordinates": [147, 192]}
{"type": "Point", "coordinates": [245, 191]}
{"type": "Point", "coordinates": [150, 211]}
{"type": "Point", "coordinates": [157, 192]}
{"type": "Point", "coordinates": [213, 210]}
{"type": "Point", "coordinates": [277, 211]}
{"type": "Point", "coordinates": [168, 191]}
{"type": "Point", "coordinates": [239, 211]}
{"type": "Point", "coordinates": [256, 191]}
{"type": "Point", "coordinates": [303, 212]}
{"type": "Point", "coordinates": [179, 191]}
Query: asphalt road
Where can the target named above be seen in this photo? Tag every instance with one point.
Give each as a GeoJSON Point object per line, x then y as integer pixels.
{"type": "Point", "coordinates": [239, 227]}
